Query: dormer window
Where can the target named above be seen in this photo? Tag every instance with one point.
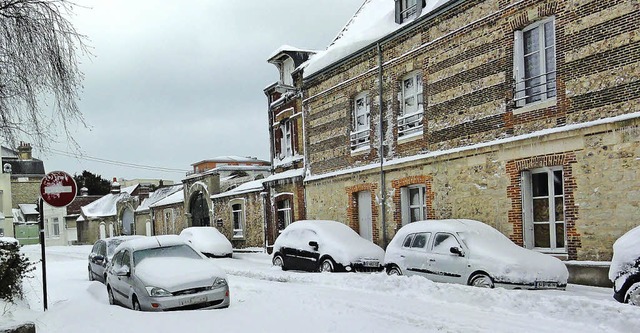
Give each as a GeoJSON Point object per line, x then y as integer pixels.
{"type": "Point", "coordinates": [408, 9]}
{"type": "Point", "coordinates": [287, 69]}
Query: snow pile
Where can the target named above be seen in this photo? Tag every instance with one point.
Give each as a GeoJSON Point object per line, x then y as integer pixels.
{"type": "Point", "coordinates": [336, 239]}
{"type": "Point", "coordinates": [626, 254]}
{"type": "Point", "coordinates": [207, 240]}
{"type": "Point", "coordinates": [106, 206]}
{"type": "Point", "coordinates": [11, 240]}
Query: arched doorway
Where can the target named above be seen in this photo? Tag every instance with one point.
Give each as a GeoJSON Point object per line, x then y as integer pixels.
{"type": "Point", "coordinates": [199, 210]}
{"type": "Point", "coordinates": [127, 221]}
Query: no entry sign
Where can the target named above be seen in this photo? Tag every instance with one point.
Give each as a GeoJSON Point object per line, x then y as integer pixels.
{"type": "Point", "coordinates": [58, 188]}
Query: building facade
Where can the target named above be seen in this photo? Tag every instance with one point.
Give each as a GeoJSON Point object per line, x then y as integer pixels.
{"type": "Point", "coordinates": [521, 114]}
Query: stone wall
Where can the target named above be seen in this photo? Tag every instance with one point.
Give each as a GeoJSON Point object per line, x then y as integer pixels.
{"type": "Point", "coordinates": [169, 220]}
{"type": "Point", "coordinates": [253, 232]}
{"type": "Point", "coordinates": [25, 191]}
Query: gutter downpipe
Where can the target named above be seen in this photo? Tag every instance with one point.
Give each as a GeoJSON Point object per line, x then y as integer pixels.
{"type": "Point", "coordinates": [381, 151]}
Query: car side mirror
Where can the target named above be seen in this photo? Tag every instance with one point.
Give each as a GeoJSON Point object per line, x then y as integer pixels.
{"type": "Point", "coordinates": [314, 244]}
{"type": "Point", "coordinates": [456, 250]}
{"type": "Point", "coordinates": [98, 257]}
{"type": "Point", "coordinates": [123, 271]}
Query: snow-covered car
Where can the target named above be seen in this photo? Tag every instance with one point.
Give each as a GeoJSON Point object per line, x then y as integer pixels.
{"type": "Point", "coordinates": [325, 246]}
{"type": "Point", "coordinates": [164, 273]}
{"type": "Point", "coordinates": [624, 271]}
{"type": "Point", "coordinates": [472, 253]}
{"type": "Point", "coordinates": [209, 241]}
{"type": "Point", "coordinates": [100, 255]}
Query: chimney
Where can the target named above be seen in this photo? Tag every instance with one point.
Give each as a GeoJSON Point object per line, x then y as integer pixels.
{"type": "Point", "coordinates": [115, 186]}
{"type": "Point", "coordinates": [24, 151]}
{"type": "Point", "coordinates": [144, 192]}
{"type": "Point", "coordinates": [84, 191]}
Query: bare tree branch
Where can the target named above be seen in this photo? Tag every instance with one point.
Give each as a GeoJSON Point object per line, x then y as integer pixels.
{"type": "Point", "coordinates": [39, 64]}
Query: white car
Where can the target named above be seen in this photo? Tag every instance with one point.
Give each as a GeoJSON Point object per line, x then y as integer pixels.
{"type": "Point", "coordinates": [209, 241]}
{"type": "Point", "coordinates": [472, 253]}
{"type": "Point", "coordinates": [625, 267]}
{"type": "Point", "coordinates": [164, 273]}
{"type": "Point", "coordinates": [325, 246]}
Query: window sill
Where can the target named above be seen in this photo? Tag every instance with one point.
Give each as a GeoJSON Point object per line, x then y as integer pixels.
{"type": "Point", "coordinates": [360, 151]}
{"type": "Point", "coordinates": [410, 137]}
{"type": "Point", "coordinates": [536, 106]}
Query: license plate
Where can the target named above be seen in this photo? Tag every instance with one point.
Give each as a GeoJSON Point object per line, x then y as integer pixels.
{"type": "Point", "coordinates": [371, 264]}
{"type": "Point", "coordinates": [546, 285]}
{"type": "Point", "coordinates": [193, 300]}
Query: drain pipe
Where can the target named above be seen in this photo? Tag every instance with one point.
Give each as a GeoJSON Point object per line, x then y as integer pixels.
{"type": "Point", "coordinates": [383, 191]}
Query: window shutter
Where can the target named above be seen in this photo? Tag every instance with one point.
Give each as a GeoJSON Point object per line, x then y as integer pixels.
{"type": "Point", "coordinates": [518, 68]}
{"type": "Point", "coordinates": [398, 11]}
{"type": "Point", "coordinates": [404, 206]}
{"type": "Point", "coordinates": [527, 209]}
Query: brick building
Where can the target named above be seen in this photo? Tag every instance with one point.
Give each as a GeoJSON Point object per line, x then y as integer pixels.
{"type": "Point", "coordinates": [522, 114]}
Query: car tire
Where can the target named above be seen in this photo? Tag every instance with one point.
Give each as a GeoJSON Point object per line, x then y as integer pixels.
{"type": "Point", "coordinates": [633, 294]}
{"type": "Point", "coordinates": [112, 300]}
{"type": "Point", "coordinates": [481, 280]}
{"type": "Point", "coordinates": [278, 260]}
{"type": "Point", "coordinates": [135, 303]}
{"type": "Point", "coordinates": [326, 265]}
{"type": "Point", "coordinates": [394, 270]}
{"type": "Point", "coordinates": [90, 274]}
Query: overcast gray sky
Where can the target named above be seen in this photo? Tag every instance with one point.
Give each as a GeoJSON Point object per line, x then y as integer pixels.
{"type": "Point", "coordinates": [172, 83]}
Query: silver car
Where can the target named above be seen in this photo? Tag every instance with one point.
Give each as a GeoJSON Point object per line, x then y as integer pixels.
{"type": "Point", "coordinates": [164, 273]}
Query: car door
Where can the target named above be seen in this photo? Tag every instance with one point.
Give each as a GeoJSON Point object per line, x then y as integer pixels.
{"type": "Point", "coordinates": [308, 254]}
{"type": "Point", "coordinates": [445, 266]}
{"type": "Point", "coordinates": [112, 277]}
{"type": "Point", "coordinates": [100, 265]}
{"type": "Point", "coordinates": [290, 253]}
{"type": "Point", "coordinates": [415, 252]}
{"type": "Point", "coordinates": [95, 261]}
{"type": "Point", "coordinates": [125, 281]}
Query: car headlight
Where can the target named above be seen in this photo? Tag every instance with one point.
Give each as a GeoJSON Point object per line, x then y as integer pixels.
{"type": "Point", "coordinates": [157, 292]}
{"type": "Point", "coordinates": [219, 283]}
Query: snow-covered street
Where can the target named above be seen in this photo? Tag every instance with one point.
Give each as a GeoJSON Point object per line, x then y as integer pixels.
{"type": "Point", "coordinates": [266, 299]}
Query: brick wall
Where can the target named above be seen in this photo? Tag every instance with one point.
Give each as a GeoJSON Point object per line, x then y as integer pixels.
{"type": "Point", "coordinates": [254, 219]}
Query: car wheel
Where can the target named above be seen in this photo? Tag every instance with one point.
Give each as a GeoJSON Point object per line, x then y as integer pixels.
{"type": "Point", "coordinates": [90, 274]}
{"type": "Point", "coordinates": [278, 261]}
{"type": "Point", "coordinates": [481, 280]}
{"type": "Point", "coordinates": [394, 270]}
{"type": "Point", "coordinates": [633, 294]}
{"type": "Point", "coordinates": [112, 301]}
{"type": "Point", "coordinates": [326, 265]}
{"type": "Point", "coordinates": [136, 304]}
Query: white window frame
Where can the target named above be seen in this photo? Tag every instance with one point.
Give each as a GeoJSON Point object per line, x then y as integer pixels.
{"type": "Point", "coordinates": [407, 206]}
{"type": "Point", "coordinates": [286, 211]}
{"type": "Point", "coordinates": [239, 216]}
{"type": "Point", "coordinates": [411, 116]}
{"type": "Point", "coordinates": [524, 92]}
{"type": "Point", "coordinates": [169, 216]}
{"type": "Point", "coordinates": [360, 132]}
{"type": "Point", "coordinates": [286, 144]}
{"type": "Point", "coordinates": [528, 210]}
{"type": "Point", "coordinates": [408, 9]}
{"type": "Point", "coordinates": [55, 227]}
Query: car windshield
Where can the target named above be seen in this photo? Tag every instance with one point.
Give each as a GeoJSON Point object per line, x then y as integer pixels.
{"type": "Point", "coordinates": [180, 251]}
{"type": "Point", "coordinates": [111, 246]}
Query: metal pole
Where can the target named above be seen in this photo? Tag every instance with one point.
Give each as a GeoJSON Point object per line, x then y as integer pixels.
{"type": "Point", "coordinates": [383, 189]}
{"type": "Point", "coordinates": [42, 251]}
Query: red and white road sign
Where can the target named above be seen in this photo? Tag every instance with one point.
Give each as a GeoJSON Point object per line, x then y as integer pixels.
{"type": "Point", "coordinates": [58, 188]}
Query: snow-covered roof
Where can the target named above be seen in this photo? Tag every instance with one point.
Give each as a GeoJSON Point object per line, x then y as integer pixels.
{"type": "Point", "coordinates": [285, 175]}
{"type": "Point", "coordinates": [158, 195]}
{"type": "Point", "coordinates": [289, 48]}
{"type": "Point", "coordinates": [252, 186]}
{"type": "Point", "coordinates": [29, 209]}
{"type": "Point", "coordinates": [174, 198]}
{"type": "Point", "coordinates": [231, 159]}
{"type": "Point", "coordinates": [374, 20]}
{"type": "Point", "coordinates": [106, 206]}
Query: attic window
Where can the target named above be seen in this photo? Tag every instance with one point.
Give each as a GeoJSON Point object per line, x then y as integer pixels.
{"type": "Point", "coordinates": [408, 9]}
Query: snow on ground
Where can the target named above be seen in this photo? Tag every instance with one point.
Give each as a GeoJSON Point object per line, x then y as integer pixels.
{"type": "Point", "coordinates": [266, 299]}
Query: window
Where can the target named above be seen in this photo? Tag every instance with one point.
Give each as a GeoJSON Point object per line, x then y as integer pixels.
{"type": "Point", "coordinates": [284, 213]}
{"type": "Point", "coordinates": [411, 113]}
{"type": "Point", "coordinates": [169, 222]}
{"type": "Point", "coordinates": [55, 226]}
{"type": "Point", "coordinates": [443, 243]}
{"type": "Point", "coordinates": [420, 240]}
{"type": "Point", "coordinates": [535, 63]}
{"type": "Point", "coordinates": [361, 122]}
{"type": "Point", "coordinates": [408, 240]}
{"type": "Point", "coordinates": [407, 9]}
{"type": "Point", "coordinates": [283, 139]}
{"type": "Point", "coordinates": [126, 259]}
{"type": "Point", "coordinates": [238, 220]}
{"type": "Point", "coordinates": [413, 202]}
{"type": "Point", "coordinates": [543, 209]}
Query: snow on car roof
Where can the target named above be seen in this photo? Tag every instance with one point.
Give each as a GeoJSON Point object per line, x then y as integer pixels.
{"type": "Point", "coordinates": [151, 242]}
{"type": "Point", "coordinates": [626, 250]}
{"type": "Point", "coordinates": [322, 226]}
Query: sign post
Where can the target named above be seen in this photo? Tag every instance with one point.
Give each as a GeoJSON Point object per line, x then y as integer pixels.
{"type": "Point", "coordinates": [58, 189]}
